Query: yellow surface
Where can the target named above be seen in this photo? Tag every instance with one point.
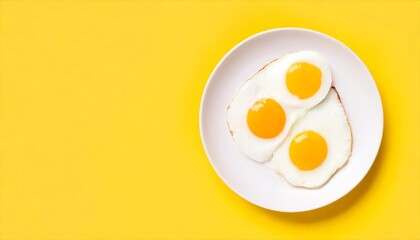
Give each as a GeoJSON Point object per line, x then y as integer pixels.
{"type": "Point", "coordinates": [99, 120]}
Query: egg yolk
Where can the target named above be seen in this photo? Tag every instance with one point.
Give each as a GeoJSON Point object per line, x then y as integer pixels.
{"type": "Point", "coordinates": [266, 118]}
{"type": "Point", "coordinates": [308, 150]}
{"type": "Point", "coordinates": [303, 79]}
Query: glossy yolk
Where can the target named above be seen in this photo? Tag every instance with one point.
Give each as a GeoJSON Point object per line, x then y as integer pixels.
{"type": "Point", "coordinates": [303, 79]}
{"type": "Point", "coordinates": [266, 118]}
{"type": "Point", "coordinates": [308, 150]}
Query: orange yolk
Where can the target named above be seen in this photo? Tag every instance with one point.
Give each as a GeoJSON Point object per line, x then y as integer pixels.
{"type": "Point", "coordinates": [266, 118]}
{"type": "Point", "coordinates": [308, 150]}
{"type": "Point", "coordinates": [303, 79]}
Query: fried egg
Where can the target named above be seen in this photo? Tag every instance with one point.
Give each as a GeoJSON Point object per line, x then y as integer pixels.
{"type": "Point", "coordinates": [317, 146]}
{"type": "Point", "coordinates": [269, 103]}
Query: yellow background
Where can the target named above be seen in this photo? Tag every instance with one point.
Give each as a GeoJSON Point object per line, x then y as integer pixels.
{"type": "Point", "coordinates": [99, 120]}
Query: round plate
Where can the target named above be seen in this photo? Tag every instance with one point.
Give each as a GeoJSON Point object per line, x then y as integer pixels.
{"type": "Point", "coordinates": [259, 183]}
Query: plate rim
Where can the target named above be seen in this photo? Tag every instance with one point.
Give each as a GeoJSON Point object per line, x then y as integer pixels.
{"type": "Point", "coordinates": [232, 50]}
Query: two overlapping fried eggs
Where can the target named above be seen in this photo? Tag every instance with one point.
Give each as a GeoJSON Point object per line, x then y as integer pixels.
{"type": "Point", "coordinates": [290, 114]}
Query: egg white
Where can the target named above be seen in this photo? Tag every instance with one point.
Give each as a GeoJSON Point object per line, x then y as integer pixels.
{"type": "Point", "coordinates": [330, 121]}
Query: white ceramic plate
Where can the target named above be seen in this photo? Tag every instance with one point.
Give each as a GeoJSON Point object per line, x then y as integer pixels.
{"type": "Point", "coordinates": [258, 183]}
